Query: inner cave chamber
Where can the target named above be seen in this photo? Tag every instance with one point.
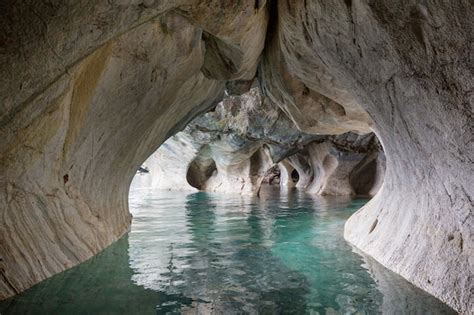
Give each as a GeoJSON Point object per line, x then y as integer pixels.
{"type": "Point", "coordinates": [246, 141]}
{"type": "Point", "coordinates": [357, 98]}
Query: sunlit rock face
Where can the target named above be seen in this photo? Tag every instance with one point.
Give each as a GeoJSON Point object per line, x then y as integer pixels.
{"type": "Point", "coordinates": [169, 166]}
{"type": "Point", "coordinates": [408, 67]}
{"type": "Point", "coordinates": [88, 92]}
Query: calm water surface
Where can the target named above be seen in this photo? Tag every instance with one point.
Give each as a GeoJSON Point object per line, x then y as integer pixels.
{"type": "Point", "coordinates": [201, 253]}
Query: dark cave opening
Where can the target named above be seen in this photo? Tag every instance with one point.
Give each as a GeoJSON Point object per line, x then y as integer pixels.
{"type": "Point", "coordinates": [295, 176]}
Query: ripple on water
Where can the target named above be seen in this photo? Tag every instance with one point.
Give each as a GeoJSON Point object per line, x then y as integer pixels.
{"type": "Point", "coordinates": [226, 254]}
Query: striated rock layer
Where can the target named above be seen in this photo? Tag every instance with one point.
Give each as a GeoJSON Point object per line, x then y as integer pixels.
{"type": "Point", "coordinates": [409, 66]}
{"type": "Point", "coordinates": [233, 147]}
{"type": "Point", "coordinates": [89, 90]}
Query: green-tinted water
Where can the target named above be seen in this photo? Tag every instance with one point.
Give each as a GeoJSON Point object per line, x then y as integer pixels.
{"type": "Point", "coordinates": [204, 253]}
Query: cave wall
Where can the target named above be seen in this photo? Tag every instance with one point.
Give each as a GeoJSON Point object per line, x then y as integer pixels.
{"type": "Point", "coordinates": [331, 170]}
{"type": "Point", "coordinates": [243, 135]}
{"type": "Point", "coordinates": [168, 167]}
{"type": "Point", "coordinates": [346, 165]}
{"type": "Point", "coordinates": [68, 169]}
{"type": "Point", "coordinates": [246, 135]}
{"type": "Point", "coordinates": [222, 160]}
{"type": "Point", "coordinates": [301, 163]}
{"type": "Point", "coordinates": [407, 65]}
{"type": "Point", "coordinates": [239, 169]}
{"type": "Point", "coordinates": [367, 176]}
{"type": "Point", "coordinates": [88, 92]}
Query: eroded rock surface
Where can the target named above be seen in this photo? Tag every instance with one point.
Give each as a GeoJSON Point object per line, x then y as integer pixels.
{"type": "Point", "coordinates": [341, 165]}
{"type": "Point", "coordinates": [89, 90]}
{"type": "Point", "coordinates": [231, 149]}
{"type": "Point", "coordinates": [409, 66]}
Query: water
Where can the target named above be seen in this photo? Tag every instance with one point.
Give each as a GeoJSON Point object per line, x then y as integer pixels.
{"type": "Point", "coordinates": [200, 253]}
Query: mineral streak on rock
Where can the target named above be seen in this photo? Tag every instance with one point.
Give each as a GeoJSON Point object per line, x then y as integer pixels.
{"type": "Point", "coordinates": [87, 93]}
{"type": "Point", "coordinates": [232, 148]}
{"type": "Point", "coordinates": [409, 66]}
{"type": "Point", "coordinates": [89, 90]}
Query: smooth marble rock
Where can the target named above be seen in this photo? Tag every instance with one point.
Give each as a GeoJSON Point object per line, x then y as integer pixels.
{"type": "Point", "coordinates": [90, 90]}
{"type": "Point", "coordinates": [409, 67]}
{"type": "Point", "coordinates": [232, 147]}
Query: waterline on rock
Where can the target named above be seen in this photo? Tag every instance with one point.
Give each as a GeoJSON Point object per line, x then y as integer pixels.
{"type": "Point", "coordinates": [216, 253]}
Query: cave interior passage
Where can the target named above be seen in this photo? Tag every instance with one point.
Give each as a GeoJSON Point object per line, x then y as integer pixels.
{"type": "Point", "coordinates": [275, 137]}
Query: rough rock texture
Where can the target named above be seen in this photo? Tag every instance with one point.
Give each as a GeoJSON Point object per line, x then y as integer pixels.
{"type": "Point", "coordinates": [410, 67]}
{"type": "Point", "coordinates": [88, 91]}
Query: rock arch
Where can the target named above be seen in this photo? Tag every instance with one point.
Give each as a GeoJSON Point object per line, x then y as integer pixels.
{"type": "Point", "coordinates": [96, 91]}
{"type": "Point", "coordinates": [89, 92]}
{"type": "Point", "coordinates": [201, 169]}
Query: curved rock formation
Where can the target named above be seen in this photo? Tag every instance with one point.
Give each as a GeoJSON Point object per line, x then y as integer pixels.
{"type": "Point", "coordinates": [201, 168]}
{"type": "Point", "coordinates": [408, 67]}
{"type": "Point", "coordinates": [286, 171]}
{"type": "Point", "coordinates": [88, 91]}
{"type": "Point", "coordinates": [242, 138]}
{"type": "Point", "coordinates": [301, 163]}
{"type": "Point", "coordinates": [367, 177]}
{"type": "Point", "coordinates": [170, 163]}
{"type": "Point", "coordinates": [231, 148]}
{"type": "Point", "coordinates": [87, 94]}
{"type": "Point", "coordinates": [341, 165]}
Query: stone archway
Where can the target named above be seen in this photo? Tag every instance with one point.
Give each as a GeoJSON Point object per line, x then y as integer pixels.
{"type": "Point", "coordinates": [93, 94]}
{"type": "Point", "coordinates": [89, 92]}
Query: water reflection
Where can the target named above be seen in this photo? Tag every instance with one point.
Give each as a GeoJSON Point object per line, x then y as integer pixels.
{"type": "Point", "coordinates": [101, 285]}
{"type": "Point", "coordinates": [225, 254]}
{"type": "Point", "coordinates": [398, 297]}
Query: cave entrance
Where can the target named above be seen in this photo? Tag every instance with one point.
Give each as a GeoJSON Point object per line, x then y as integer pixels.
{"type": "Point", "coordinates": [295, 176]}
{"type": "Point", "coordinates": [368, 175]}
{"type": "Point", "coordinates": [199, 172]}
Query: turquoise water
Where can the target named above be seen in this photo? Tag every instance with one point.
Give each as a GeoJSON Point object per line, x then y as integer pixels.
{"type": "Point", "coordinates": [200, 253]}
